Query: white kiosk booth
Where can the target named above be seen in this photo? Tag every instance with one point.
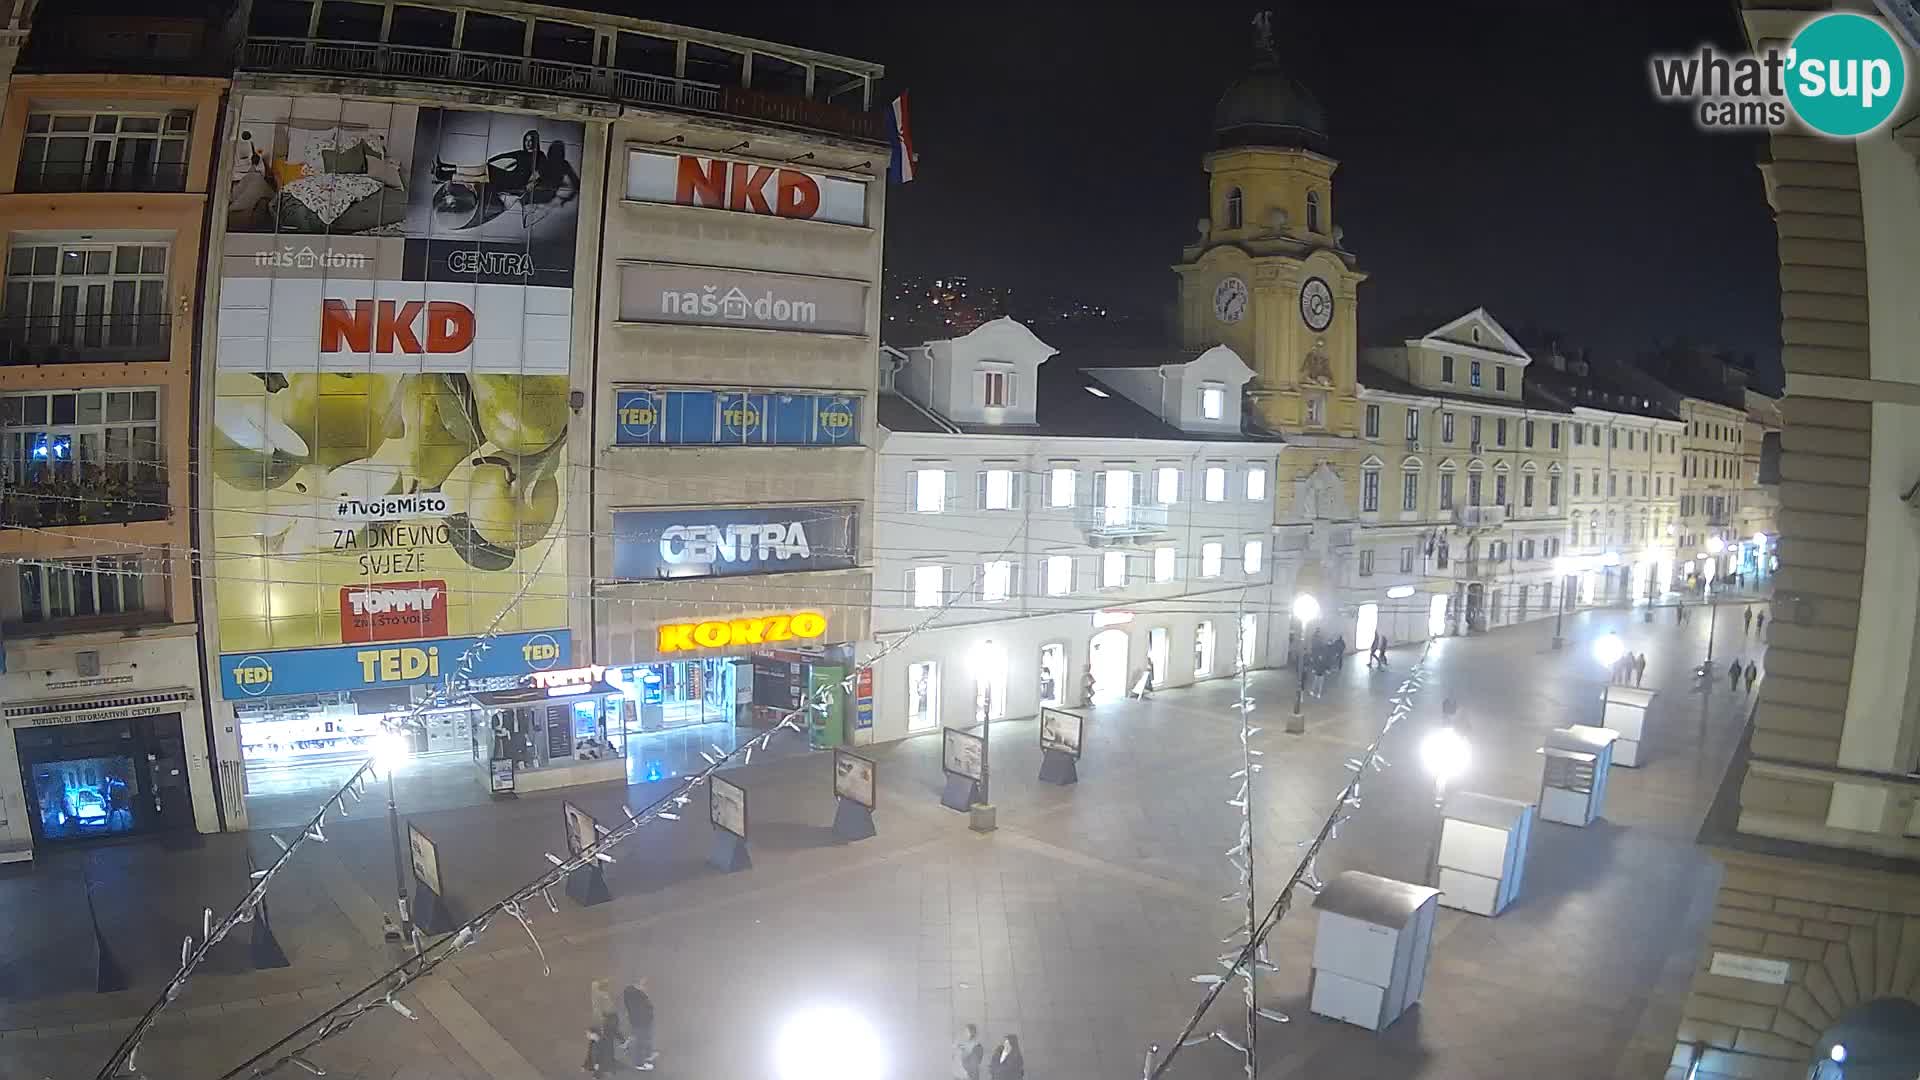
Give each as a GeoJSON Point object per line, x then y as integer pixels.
{"type": "Point", "coordinates": [1627, 708]}
{"type": "Point", "coordinates": [1483, 851]}
{"type": "Point", "coordinates": [1573, 780]}
{"type": "Point", "coordinates": [1371, 948]}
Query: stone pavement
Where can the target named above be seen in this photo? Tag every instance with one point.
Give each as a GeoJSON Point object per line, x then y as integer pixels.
{"type": "Point", "coordinates": [1077, 925]}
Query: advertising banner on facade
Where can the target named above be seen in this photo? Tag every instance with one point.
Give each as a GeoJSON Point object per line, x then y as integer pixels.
{"type": "Point", "coordinates": [698, 542]}
{"type": "Point", "coordinates": [718, 296]}
{"type": "Point", "coordinates": [390, 403]}
{"type": "Point", "coordinates": [662, 417]}
{"type": "Point", "coordinates": [744, 187]}
{"type": "Point", "coordinates": [353, 667]}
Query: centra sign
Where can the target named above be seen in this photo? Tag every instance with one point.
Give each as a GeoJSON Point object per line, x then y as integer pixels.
{"type": "Point", "coordinates": [756, 630]}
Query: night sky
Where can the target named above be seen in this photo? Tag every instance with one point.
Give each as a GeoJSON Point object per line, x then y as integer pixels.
{"type": "Point", "coordinates": [1505, 154]}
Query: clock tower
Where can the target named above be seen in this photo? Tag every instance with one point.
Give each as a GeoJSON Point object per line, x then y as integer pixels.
{"type": "Point", "coordinates": [1267, 274]}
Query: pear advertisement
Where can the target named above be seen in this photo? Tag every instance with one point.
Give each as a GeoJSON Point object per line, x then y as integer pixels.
{"type": "Point", "coordinates": [389, 423]}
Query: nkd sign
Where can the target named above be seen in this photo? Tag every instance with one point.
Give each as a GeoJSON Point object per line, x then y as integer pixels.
{"type": "Point", "coordinates": [696, 542]}
{"type": "Point", "coordinates": [744, 187]}
{"type": "Point", "coordinates": [713, 296]}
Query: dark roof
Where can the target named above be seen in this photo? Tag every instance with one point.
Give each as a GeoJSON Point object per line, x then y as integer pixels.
{"type": "Point", "coordinates": [1602, 386]}
{"type": "Point", "coordinates": [898, 414]}
{"type": "Point", "coordinates": [1374, 378]}
{"type": "Point", "coordinates": [1266, 107]}
{"type": "Point", "coordinates": [1065, 409]}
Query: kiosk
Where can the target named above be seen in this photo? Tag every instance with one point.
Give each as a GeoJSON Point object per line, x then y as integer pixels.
{"type": "Point", "coordinates": [1573, 778]}
{"type": "Point", "coordinates": [1483, 851]}
{"type": "Point", "coordinates": [1626, 712]}
{"type": "Point", "coordinates": [1370, 949]}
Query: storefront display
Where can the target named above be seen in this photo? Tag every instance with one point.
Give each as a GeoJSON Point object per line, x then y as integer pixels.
{"type": "Point", "coordinates": [682, 693]}
{"type": "Point", "coordinates": [116, 777]}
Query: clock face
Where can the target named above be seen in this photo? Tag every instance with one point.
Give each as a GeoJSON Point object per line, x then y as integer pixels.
{"type": "Point", "coordinates": [1230, 300]}
{"type": "Point", "coordinates": [1316, 304]}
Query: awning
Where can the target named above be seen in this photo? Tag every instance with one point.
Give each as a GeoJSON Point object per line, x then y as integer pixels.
{"type": "Point", "coordinates": [86, 710]}
{"type": "Point", "coordinates": [527, 695]}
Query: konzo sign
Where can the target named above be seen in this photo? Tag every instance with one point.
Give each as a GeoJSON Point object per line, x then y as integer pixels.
{"type": "Point", "coordinates": [715, 296]}
{"type": "Point", "coordinates": [697, 542]}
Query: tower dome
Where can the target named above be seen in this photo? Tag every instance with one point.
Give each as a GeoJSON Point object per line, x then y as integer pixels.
{"type": "Point", "coordinates": [1265, 107]}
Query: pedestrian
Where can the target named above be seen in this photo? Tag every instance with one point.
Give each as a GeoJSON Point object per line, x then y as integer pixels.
{"type": "Point", "coordinates": [1760, 622]}
{"type": "Point", "coordinates": [1733, 675]}
{"type": "Point", "coordinates": [1380, 649]}
{"type": "Point", "coordinates": [968, 1054]}
{"type": "Point", "coordinates": [639, 1044]}
{"type": "Point", "coordinates": [1007, 1064]}
{"type": "Point", "coordinates": [1340, 652]}
{"type": "Point", "coordinates": [1146, 686]}
{"type": "Point", "coordinates": [1752, 674]}
{"type": "Point", "coordinates": [1639, 669]}
{"type": "Point", "coordinates": [605, 1030]}
{"type": "Point", "coordinates": [1086, 685]}
{"type": "Point", "coordinates": [1746, 617]}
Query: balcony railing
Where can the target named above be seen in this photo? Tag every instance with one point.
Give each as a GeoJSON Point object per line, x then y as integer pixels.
{"type": "Point", "coordinates": [1118, 523]}
{"type": "Point", "coordinates": [40, 177]}
{"type": "Point", "coordinates": [60, 501]}
{"type": "Point", "coordinates": [1473, 517]}
{"type": "Point", "coordinates": [553, 76]}
{"type": "Point", "coordinates": [85, 339]}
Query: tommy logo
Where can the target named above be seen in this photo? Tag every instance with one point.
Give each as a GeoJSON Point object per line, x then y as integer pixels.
{"type": "Point", "coordinates": [395, 611]}
{"type": "Point", "coordinates": [393, 326]}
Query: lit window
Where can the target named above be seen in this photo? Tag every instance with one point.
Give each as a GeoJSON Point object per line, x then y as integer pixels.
{"type": "Point", "coordinates": [1166, 485]}
{"type": "Point", "coordinates": [1251, 557]}
{"type": "Point", "coordinates": [996, 581]}
{"type": "Point", "coordinates": [1213, 401]}
{"type": "Point", "coordinates": [930, 490]}
{"type": "Point", "coordinates": [996, 389]}
{"type": "Point", "coordinates": [1060, 487]}
{"type": "Point", "coordinates": [1059, 575]}
{"type": "Point", "coordinates": [1216, 490]}
{"type": "Point", "coordinates": [1164, 560]}
{"type": "Point", "coordinates": [996, 489]}
{"type": "Point", "coordinates": [1473, 373]}
{"type": "Point", "coordinates": [1113, 569]}
{"type": "Point", "coordinates": [1256, 483]}
{"type": "Point", "coordinates": [928, 583]}
{"type": "Point", "coordinates": [1210, 559]}
{"type": "Point", "coordinates": [1203, 649]}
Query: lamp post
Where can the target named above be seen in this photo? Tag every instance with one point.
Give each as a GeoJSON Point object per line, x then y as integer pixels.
{"type": "Point", "coordinates": [1444, 753]}
{"type": "Point", "coordinates": [1715, 546]}
{"type": "Point", "coordinates": [1608, 650]}
{"type": "Point", "coordinates": [1305, 610]}
{"type": "Point", "coordinates": [1560, 609]}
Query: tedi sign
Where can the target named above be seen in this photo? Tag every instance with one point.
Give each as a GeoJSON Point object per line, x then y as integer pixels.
{"type": "Point", "coordinates": [719, 543]}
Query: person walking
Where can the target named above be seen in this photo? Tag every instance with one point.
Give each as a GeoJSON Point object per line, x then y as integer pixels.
{"type": "Point", "coordinates": [1746, 617]}
{"type": "Point", "coordinates": [1007, 1064]}
{"type": "Point", "coordinates": [1380, 649]}
{"type": "Point", "coordinates": [1086, 685]}
{"type": "Point", "coordinates": [604, 1032]}
{"type": "Point", "coordinates": [1340, 652]}
{"type": "Point", "coordinates": [968, 1054]}
{"type": "Point", "coordinates": [1760, 622]}
{"type": "Point", "coordinates": [1639, 669]}
{"type": "Point", "coordinates": [639, 1044]}
{"type": "Point", "coordinates": [1733, 675]}
{"type": "Point", "coordinates": [1752, 674]}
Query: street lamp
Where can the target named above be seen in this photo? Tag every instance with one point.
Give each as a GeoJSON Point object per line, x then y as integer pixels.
{"type": "Point", "coordinates": [1444, 753]}
{"type": "Point", "coordinates": [1608, 650]}
{"type": "Point", "coordinates": [1715, 546]}
{"type": "Point", "coordinates": [1305, 610]}
{"type": "Point", "coordinates": [1560, 609]}
{"type": "Point", "coordinates": [828, 1043]}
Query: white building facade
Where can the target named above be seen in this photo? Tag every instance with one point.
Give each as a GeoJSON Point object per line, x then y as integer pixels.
{"type": "Point", "coordinates": [1040, 530]}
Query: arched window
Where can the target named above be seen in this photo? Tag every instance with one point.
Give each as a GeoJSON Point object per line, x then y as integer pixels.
{"type": "Point", "coordinates": [1313, 211]}
{"type": "Point", "coordinates": [1236, 208]}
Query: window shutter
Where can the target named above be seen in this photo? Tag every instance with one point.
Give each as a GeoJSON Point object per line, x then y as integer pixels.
{"type": "Point", "coordinates": [980, 487]}
{"type": "Point", "coordinates": [1016, 488]}
{"type": "Point", "coordinates": [1139, 480]}
{"type": "Point", "coordinates": [912, 595]}
{"type": "Point", "coordinates": [1014, 574]}
{"type": "Point", "coordinates": [913, 489]}
{"type": "Point", "coordinates": [1099, 489]}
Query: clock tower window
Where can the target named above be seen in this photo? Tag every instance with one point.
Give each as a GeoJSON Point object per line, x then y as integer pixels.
{"type": "Point", "coordinates": [1313, 211]}
{"type": "Point", "coordinates": [1236, 208]}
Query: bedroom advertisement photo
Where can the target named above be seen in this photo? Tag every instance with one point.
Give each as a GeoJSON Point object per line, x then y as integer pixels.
{"type": "Point", "coordinates": [390, 413]}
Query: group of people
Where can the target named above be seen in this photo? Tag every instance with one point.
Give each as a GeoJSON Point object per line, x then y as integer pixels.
{"type": "Point", "coordinates": [1322, 656]}
{"type": "Point", "coordinates": [608, 1043]}
{"type": "Point", "coordinates": [1755, 620]}
{"type": "Point", "coordinates": [1377, 652]}
{"type": "Point", "coordinates": [1630, 669]}
{"type": "Point", "coordinates": [1004, 1063]}
{"type": "Point", "coordinates": [1735, 673]}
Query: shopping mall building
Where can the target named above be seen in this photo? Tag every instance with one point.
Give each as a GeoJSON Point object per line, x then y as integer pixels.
{"type": "Point", "coordinates": [525, 393]}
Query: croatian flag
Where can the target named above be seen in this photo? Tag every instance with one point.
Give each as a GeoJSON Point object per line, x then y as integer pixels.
{"type": "Point", "coordinates": [900, 169]}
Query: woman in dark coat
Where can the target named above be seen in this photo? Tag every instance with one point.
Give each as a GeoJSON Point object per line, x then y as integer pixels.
{"type": "Point", "coordinates": [1006, 1062]}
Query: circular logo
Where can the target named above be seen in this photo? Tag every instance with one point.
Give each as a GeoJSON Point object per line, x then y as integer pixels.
{"type": "Point", "coordinates": [1845, 74]}
{"type": "Point", "coordinates": [836, 418]}
{"type": "Point", "coordinates": [1316, 304]}
{"type": "Point", "coordinates": [541, 652]}
{"type": "Point", "coordinates": [253, 675]}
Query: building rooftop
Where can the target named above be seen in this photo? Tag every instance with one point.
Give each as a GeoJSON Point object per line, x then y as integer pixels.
{"type": "Point", "coordinates": [1373, 378]}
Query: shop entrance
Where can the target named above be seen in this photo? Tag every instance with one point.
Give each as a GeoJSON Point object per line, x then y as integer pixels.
{"type": "Point", "coordinates": [1157, 655]}
{"type": "Point", "coordinates": [684, 692]}
{"type": "Point", "coordinates": [1365, 625]}
{"type": "Point", "coordinates": [989, 664]}
{"type": "Point", "coordinates": [105, 778]}
{"type": "Point", "coordinates": [1107, 659]}
{"type": "Point", "coordinates": [1053, 673]}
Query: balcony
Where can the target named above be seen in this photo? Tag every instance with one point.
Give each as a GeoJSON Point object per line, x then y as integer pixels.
{"type": "Point", "coordinates": [385, 61]}
{"type": "Point", "coordinates": [1118, 524]}
{"type": "Point", "coordinates": [1478, 517]}
{"type": "Point", "coordinates": [86, 339]}
{"type": "Point", "coordinates": [62, 177]}
{"type": "Point", "coordinates": [58, 501]}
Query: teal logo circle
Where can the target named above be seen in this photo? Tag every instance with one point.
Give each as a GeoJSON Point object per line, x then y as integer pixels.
{"type": "Point", "coordinates": [1846, 74]}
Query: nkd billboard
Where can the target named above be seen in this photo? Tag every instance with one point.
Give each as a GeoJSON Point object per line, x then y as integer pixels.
{"type": "Point", "coordinates": [388, 456]}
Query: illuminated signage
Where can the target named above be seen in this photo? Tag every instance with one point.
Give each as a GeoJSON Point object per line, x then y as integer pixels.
{"type": "Point", "coordinates": [654, 544]}
{"type": "Point", "coordinates": [353, 667]}
{"type": "Point", "coordinates": [755, 630]}
{"type": "Point", "coordinates": [660, 417]}
{"type": "Point", "coordinates": [744, 187]}
{"type": "Point", "coordinates": [578, 676]}
{"type": "Point", "coordinates": [718, 296]}
{"type": "Point", "coordinates": [396, 611]}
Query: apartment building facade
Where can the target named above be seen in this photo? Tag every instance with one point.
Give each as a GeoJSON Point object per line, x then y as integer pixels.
{"type": "Point", "coordinates": [1713, 458]}
{"type": "Point", "coordinates": [1050, 528]}
{"type": "Point", "coordinates": [107, 153]}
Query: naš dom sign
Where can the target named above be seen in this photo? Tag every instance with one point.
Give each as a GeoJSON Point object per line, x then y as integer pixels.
{"type": "Point", "coordinates": [752, 630]}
